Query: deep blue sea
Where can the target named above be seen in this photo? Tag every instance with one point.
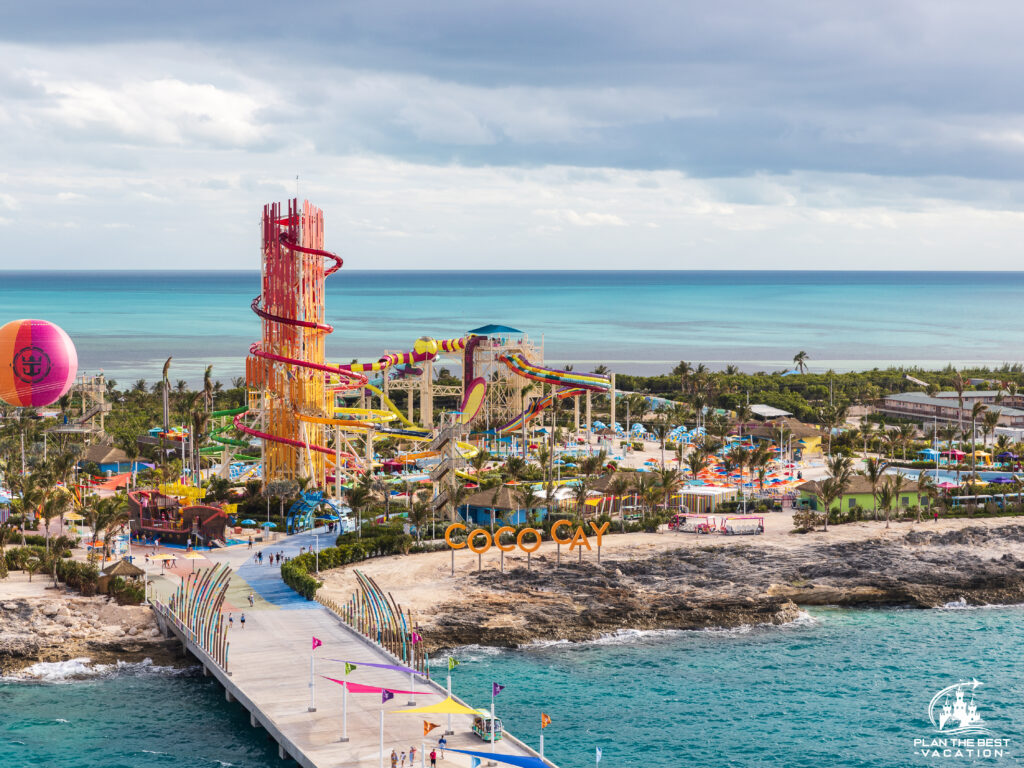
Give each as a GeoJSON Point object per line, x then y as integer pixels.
{"type": "Point", "coordinates": [842, 688]}
{"type": "Point", "coordinates": [128, 323]}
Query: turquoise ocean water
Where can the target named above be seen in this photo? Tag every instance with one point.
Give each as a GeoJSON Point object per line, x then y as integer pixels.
{"type": "Point", "coordinates": [128, 323]}
{"type": "Point", "coordinates": [841, 688]}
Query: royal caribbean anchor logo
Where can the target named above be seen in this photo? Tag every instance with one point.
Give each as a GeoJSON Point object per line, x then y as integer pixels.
{"type": "Point", "coordinates": [31, 364]}
{"type": "Point", "coordinates": [960, 730]}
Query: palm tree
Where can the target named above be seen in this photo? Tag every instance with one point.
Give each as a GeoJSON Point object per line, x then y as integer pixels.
{"type": "Point", "coordinates": [208, 387]}
{"type": "Point", "coordinates": [108, 515]}
{"type": "Point", "coordinates": [743, 415]}
{"type": "Point", "coordinates": [800, 361]}
{"type": "Point", "coordinates": [874, 470]}
{"type": "Point", "coordinates": [895, 482]}
{"type": "Point", "coordinates": [514, 468]}
{"type": "Point", "coordinates": [479, 461]}
{"type": "Point", "coordinates": [697, 461]}
{"type": "Point", "coordinates": [885, 499]}
{"type": "Point", "coordinates": [959, 384]}
{"type": "Point", "coordinates": [989, 422]}
{"type": "Point", "coordinates": [830, 490]}
{"type": "Point", "coordinates": [977, 409]}
{"type": "Point", "coordinates": [926, 490]}
{"type": "Point", "coordinates": [619, 487]}
{"type": "Point", "coordinates": [358, 496]}
{"type": "Point", "coordinates": [580, 494]}
{"type": "Point", "coordinates": [661, 429]}
{"type": "Point", "coordinates": [55, 503]}
{"type": "Point", "coordinates": [669, 480]}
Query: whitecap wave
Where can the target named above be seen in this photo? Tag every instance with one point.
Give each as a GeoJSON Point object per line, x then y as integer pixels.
{"type": "Point", "coordinates": [83, 669]}
{"type": "Point", "coordinates": [963, 605]}
{"type": "Point", "coordinates": [61, 720]}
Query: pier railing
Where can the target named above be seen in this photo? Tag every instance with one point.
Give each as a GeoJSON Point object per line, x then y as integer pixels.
{"type": "Point", "coordinates": [377, 617]}
{"type": "Point", "coordinates": [195, 609]}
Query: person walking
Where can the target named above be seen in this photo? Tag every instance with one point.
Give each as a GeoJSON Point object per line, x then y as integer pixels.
{"type": "Point", "coordinates": [412, 756]}
{"type": "Point", "coordinates": [935, 514]}
{"type": "Point", "coordinates": [442, 743]}
{"type": "Point", "coordinates": [242, 621]}
{"type": "Point", "coordinates": [250, 542]}
{"type": "Point", "coordinates": [231, 621]}
{"type": "Point", "coordinates": [403, 758]}
{"type": "Point", "coordinates": [394, 759]}
{"type": "Point", "coordinates": [433, 758]}
{"type": "Point", "coordinates": [252, 601]}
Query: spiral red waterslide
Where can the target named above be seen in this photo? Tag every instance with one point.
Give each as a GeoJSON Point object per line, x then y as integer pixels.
{"type": "Point", "coordinates": [283, 363]}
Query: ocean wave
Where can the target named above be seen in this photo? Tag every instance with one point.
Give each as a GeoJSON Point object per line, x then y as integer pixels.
{"type": "Point", "coordinates": [963, 605]}
{"type": "Point", "coordinates": [82, 668]}
{"type": "Point", "coordinates": [628, 636]}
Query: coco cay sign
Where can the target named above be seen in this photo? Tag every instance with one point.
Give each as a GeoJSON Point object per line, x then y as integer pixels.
{"type": "Point", "coordinates": [528, 540]}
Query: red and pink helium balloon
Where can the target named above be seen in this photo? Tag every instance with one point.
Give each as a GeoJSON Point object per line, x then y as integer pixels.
{"type": "Point", "coordinates": [38, 363]}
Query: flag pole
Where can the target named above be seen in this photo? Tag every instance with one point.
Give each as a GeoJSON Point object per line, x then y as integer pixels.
{"type": "Point", "coordinates": [542, 745]}
{"type": "Point", "coordinates": [423, 754]}
{"type": "Point", "coordinates": [492, 726]}
{"type": "Point", "coordinates": [312, 690]}
{"type": "Point", "coordinates": [449, 731]}
{"type": "Point", "coordinates": [344, 712]}
{"type": "Point", "coordinates": [412, 689]}
{"type": "Point", "coordinates": [382, 735]}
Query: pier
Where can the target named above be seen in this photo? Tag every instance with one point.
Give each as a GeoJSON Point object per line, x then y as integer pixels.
{"type": "Point", "coordinates": [265, 668]}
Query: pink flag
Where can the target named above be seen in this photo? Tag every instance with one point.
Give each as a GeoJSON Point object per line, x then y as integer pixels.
{"type": "Point", "coordinates": [416, 638]}
{"type": "Point", "coordinates": [316, 643]}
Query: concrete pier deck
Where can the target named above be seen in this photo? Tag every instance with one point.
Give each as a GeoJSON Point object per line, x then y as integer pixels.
{"type": "Point", "coordinates": [269, 663]}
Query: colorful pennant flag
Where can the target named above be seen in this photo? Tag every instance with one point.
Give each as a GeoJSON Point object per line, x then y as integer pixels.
{"type": "Point", "coordinates": [385, 695]}
{"type": "Point", "coordinates": [496, 689]}
{"type": "Point", "coordinates": [545, 721]}
{"type": "Point", "coordinates": [428, 727]}
{"type": "Point", "coordinates": [316, 643]}
{"type": "Point", "coordinates": [349, 667]}
{"type": "Point", "coordinates": [452, 663]}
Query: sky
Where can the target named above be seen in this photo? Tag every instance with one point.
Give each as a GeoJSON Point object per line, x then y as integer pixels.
{"type": "Point", "coordinates": [499, 135]}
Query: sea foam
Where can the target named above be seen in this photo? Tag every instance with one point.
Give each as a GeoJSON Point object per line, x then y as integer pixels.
{"type": "Point", "coordinates": [82, 668]}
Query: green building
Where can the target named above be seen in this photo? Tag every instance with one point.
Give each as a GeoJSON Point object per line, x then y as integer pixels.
{"type": "Point", "coordinates": [858, 494]}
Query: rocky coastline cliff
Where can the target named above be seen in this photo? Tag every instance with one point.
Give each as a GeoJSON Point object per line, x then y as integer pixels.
{"type": "Point", "coordinates": [64, 627]}
{"type": "Point", "coordinates": [730, 586]}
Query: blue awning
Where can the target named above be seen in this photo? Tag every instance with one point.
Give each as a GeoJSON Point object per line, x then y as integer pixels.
{"type": "Point", "coordinates": [487, 330]}
{"type": "Point", "coordinates": [523, 761]}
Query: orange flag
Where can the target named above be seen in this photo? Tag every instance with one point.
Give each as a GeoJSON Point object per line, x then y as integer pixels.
{"type": "Point", "coordinates": [428, 727]}
{"type": "Point", "coordinates": [545, 721]}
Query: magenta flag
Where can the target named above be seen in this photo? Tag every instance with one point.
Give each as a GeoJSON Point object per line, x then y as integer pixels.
{"type": "Point", "coordinates": [360, 688]}
{"type": "Point", "coordinates": [316, 643]}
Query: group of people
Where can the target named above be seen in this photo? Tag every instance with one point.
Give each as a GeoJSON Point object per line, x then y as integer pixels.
{"type": "Point", "coordinates": [272, 558]}
{"type": "Point", "coordinates": [398, 759]}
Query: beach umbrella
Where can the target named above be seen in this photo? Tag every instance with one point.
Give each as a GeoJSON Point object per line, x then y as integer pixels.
{"type": "Point", "coordinates": [268, 525]}
{"type": "Point", "coordinates": [248, 521]}
{"type": "Point", "coordinates": [193, 556]}
{"type": "Point", "coordinates": [73, 516]}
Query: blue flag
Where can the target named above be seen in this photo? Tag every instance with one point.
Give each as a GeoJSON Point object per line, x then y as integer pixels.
{"type": "Point", "coordinates": [475, 763]}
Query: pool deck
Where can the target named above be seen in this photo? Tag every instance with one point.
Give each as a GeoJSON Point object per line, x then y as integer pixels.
{"type": "Point", "coordinates": [269, 671]}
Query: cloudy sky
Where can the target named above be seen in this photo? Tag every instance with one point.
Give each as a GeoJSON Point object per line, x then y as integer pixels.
{"type": "Point", "coordinates": [874, 134]}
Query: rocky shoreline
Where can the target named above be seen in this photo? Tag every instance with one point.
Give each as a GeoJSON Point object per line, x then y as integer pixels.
{"type": "Point", "coordinates": [731, 586]}
{"type": "Point", "coordinates": [64, 627]}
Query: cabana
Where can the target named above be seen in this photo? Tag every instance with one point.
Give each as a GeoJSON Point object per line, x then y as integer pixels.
{"type": "Point", "coordinates": [486, 506]}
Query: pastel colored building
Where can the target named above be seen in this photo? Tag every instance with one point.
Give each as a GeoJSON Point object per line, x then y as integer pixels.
{"type": "Point", "coordinates": [858, 494]}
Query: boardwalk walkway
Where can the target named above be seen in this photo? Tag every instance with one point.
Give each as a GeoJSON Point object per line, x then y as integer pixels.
{"type": "Point", "coordinates": [269, 662]}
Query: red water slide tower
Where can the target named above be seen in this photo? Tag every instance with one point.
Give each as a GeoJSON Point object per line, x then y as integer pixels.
{"type": "Point", "coordinates": [285, 370]}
